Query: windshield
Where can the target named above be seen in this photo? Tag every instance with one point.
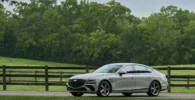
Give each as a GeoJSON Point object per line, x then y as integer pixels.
{"type": "Point", "coordinates": [108, 69]}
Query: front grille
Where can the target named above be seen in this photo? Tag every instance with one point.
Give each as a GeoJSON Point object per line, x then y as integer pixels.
{"type": "Point", "coordinates": [79, 89]}
{"type": "Point", "coordinates": [76, 82]}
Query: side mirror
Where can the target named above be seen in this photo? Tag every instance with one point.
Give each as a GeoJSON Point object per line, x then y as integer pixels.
{"type": "Point", "coordinates": [122, 72]}
{"type": "Point", "coordinates": [149, 72]}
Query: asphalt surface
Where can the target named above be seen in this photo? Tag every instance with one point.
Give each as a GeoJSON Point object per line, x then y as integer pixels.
{"type": "Point", "coordinates": [176, 96]}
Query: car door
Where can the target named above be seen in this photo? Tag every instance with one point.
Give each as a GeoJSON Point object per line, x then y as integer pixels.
{"type": "Point", "coordinates": [142, 78]}
{"type": "Point", "coordinates": [125, 81]}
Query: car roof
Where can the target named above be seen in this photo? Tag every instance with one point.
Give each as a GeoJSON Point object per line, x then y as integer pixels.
{"type": "Point", "coordinates": [123, 64]}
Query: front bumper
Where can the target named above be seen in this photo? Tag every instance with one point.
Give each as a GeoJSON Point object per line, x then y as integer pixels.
{"type": "Point", "coordinates": [164, 88]}
{"type": "Point", "coordinates": [86, 88]}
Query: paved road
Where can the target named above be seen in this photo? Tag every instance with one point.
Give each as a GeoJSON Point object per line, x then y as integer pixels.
{"type": "Point", "coordinates": [177, 96]}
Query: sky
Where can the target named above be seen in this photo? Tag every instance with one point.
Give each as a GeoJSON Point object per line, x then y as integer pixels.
{"type": "Point", "coordinates": [143, 8]}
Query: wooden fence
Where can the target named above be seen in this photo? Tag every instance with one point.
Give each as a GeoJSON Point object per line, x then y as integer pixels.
{"type": "Point", "coordinates": [8, 73]}
{"type": "Point", "coordinates": [179, 78]}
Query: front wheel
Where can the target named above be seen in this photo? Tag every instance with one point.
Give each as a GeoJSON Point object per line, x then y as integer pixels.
{"type": "Point", "coordinates": [104, 89]}
{"type": "Point", "coordinates": [154, 89]}
{"type": "Point", "coordinates": [77, 94]}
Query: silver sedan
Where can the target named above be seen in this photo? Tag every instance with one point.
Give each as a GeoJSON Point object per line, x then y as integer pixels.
{"type": "Point", "coordinates": [125, 78]}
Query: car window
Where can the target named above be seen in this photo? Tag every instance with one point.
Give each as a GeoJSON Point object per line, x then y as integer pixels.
{"type": "Point", "coordinates": [127, 68]}
{"type": "Point", "coordinates": [150, 69]}
{"type": "Point", "coordinates": [140, 68]}
{"type": "Point", "coordinates": [108, 69]}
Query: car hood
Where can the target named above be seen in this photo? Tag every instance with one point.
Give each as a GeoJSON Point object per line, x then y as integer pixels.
{"type": "Point", "coordinates": [90, 75]}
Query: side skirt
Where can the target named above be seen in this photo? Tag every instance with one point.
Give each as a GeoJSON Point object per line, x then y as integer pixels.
{"type": "Point", "coordinates": [133, 91]}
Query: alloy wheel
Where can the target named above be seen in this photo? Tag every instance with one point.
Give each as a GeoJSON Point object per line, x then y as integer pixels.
{"type": "Point", "coordinates": [104, 89]}
{"type": "Point", "coordinates": [154, 89]}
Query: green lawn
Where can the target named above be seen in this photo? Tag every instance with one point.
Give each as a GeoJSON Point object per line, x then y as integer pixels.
{"type": "Point", "coordinates": [73, 98]}
{"type": "Point", "coordinates": [34, 88]}
{"type": "Point", "coordinates": [26, 62]}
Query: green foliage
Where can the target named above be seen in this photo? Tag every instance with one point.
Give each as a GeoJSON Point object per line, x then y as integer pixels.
{"type": "Point", "coordinates": [160, 37]}
{"type": "Point", "coordinates": [92, 33]}
{"type": "Point", "coordinates": [96, 47]}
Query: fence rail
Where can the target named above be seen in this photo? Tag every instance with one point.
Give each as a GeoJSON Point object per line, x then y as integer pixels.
{"type": "Point", "coordinates": [10, 73]}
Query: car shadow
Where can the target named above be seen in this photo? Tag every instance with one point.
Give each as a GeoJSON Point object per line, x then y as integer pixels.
{"type": "Point", "coordinates": [136, 95]}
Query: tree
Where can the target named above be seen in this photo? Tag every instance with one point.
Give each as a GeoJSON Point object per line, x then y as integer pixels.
{"type": "Point", "coordinates": [160, 37]}
{"type": "Point", "coordinates": [11, 2]}
{"type": "Point", "coordinates": [95, 34]}
{"type": "Point", "coordinates": [98, 48]}
{"type": "Point", "coordinates": [2, 27]}
{"type": "Point", "coordinates": [189, 43]}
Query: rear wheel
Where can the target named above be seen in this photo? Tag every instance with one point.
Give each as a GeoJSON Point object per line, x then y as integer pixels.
{"type": "Point", "coordinates": [104, 89]}
{"type": "Point", "coordinates": [154, 89]}
{"type": "Point", "coordinates": [77, 94]}
{"type": "Point", "coordinates": [127, 94]}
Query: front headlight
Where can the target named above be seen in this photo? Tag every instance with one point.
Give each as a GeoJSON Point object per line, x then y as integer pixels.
{"type": "Point", "coordinates": [91, 82]}
{"type": "Point", "coordinates": [164, 78]}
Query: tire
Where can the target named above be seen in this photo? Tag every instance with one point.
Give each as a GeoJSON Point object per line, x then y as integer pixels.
{"type": "Point", "coordinates": [104, 89]}
{"type": "Point", "coordinates": [127, 94]}
{"type": "Point", "coordinates": [77, 94]}
{"type": "Point", "coordinates": [154, 89]}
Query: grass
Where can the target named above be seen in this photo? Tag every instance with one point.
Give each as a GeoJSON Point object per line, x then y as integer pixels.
{"type": "Point", "coordinates": [182, 90]}
{"type": "Point", "coordinates": [34, 88]}
{"type": "Point", "coordinates": [26, 62]}
{"type": "Point", "coordinates": [72, 98]}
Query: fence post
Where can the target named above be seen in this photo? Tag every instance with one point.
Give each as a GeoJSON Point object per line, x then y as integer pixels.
{"type": "Point", "coordinates": [4, 78]}
{"type": "Point", "coordinates": [61, 77]}
{"type": "Point", "coordinates": [9, 76]}
{"type": "Point", "coordinates": [169, 78]}
{"type": "Point", "coordinates": [35, 76]}
{"type": "Point", "coordinates": [188, 82]}
{"type": "Point", "coordinates": [46, 78]}
{"type": "Point", "coordinates": [87, 69]}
